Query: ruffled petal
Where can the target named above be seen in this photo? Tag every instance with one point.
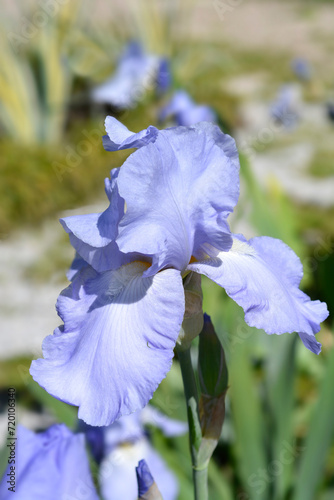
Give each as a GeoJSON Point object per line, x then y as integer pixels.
{"type": "Point", "coordinates": [50, 465]}
{"type": "Point", "coordinates": [117, 341]}
{"type": "Point", "coordinates": [263, 276]}
{"type": "Point", "coordinates": [77, 265]}
{"type": "Point", "coordinates": [93, 235]}
{"type": "Point", "coordinates": [179, 192]}
{"type": "Point", "coordinates": [120, 137]}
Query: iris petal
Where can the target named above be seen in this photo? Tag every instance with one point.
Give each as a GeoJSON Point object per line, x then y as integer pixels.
{"type": "Point", "coordinates": [120, 137]}
{"type": "Point", "coordinates": [93, 235]}
{"type": "Point", "coordinates": [186, 185]}
{"type": "Point", "coordinates": [117, 341]}
{"type": "Point", "coordinates": [263, 276]}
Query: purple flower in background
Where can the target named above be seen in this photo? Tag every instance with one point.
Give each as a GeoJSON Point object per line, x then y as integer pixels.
{"type": "Point", "coordinates": [164, 77]}
{"type": "Point", "coordinates": [301, 67]}
{"type": "Point", "coordinates": [123, 311]}
{"type": "Point", "coordinates": [185, 112]}
{"type": "Point", "coordinates": [284, 108]}
{"type": "Point", "coordinates": [125, 442]}
{"type": "Point", "coordinates": [136, 73]}
{"type": "Point", "coordinates": [52, 465]}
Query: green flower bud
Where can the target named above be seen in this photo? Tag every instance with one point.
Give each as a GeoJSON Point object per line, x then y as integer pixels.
{"type": "Point", "coordinates": [213, 379]}
{"type": "Point", "coordinates": [212, 369]}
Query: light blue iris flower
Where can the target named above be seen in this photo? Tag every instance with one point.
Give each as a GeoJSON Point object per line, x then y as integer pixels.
{"type": "Point", "coordinates": [185, 112]}
{"type": "Point", "coordinates": [136, 73]}
{"type": "Point", "coordinates": [123, 311]}
{"type": "Point", "coordinates": [125, 443]}
{"type": "Point", "coordinates": [51, 465]}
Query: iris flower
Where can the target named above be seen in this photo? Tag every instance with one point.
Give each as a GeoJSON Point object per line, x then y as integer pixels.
{"type": "Point", "coordinates": [124, 443]}
{"type": "Point", "coordinates": [184, 110]}
{"type": "Point", "coordinates": [51, 465]}
{"type": "Point", "coordinates": [136, 72]}
{"type": "Point", "coordinates": [123, 311]}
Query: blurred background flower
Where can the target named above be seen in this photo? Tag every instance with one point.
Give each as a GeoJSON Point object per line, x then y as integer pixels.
{"type": "Point", "coordinates": [52, 464]}
{"type": "Point", "coordinates": [124, 444]}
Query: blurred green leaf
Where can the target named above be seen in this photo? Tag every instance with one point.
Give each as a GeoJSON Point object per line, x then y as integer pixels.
{"type": "Point", "coordinates": [280, 382]}
{"type": "Point", "coordinates": [249, 424]}
{"type": "Point", "coordinates": [272, 213]}
{"type": "Point", "coordinates": [319, 438]}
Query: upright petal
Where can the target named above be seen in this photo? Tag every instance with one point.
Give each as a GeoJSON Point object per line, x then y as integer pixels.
{"type": "Point", "coordinates": [179, 192]}
{"type": "Point", "coordinates": [93, 235]}
{"type": "Point", "coordinates": [51, 465]}
{"type": "Point", "coordinates": [120, 137]}
{"type": "Point", "coordinates": [117, 341]}
{"type": "Point", "coordinates": [263, 276]}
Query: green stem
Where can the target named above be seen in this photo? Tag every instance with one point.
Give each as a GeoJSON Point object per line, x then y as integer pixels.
{"type": "Point", "coordinates": [200, 472]}
{"type": "Point", "coordinates": [201, 484]}
{"type": "Point", "coordinates": [188, 376]}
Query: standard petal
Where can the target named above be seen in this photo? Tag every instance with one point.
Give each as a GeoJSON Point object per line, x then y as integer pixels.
{"type": "Point", "coordinates": [119, 137]}
{"type": "Point", "coordinates": [93, 235]}
{"type": "Point", "coordinates": [186, 184]}
{"type": "Point", "coordinates": [117, 341]}
{"type": "Point", "coordinates": [263, 276]}
{"type": "Point", "coordinates": [77, 265]}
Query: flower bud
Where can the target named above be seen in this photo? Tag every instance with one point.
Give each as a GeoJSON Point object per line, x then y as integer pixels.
{"type": "Point", "coordinates": [212, 369]}
{"type": "Point", "coordinates": [213, 378]}
{"type": "Point", "coordinates": [147, 488]}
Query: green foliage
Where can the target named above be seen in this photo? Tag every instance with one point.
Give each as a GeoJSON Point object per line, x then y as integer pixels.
{"type": "Point", "coordinates": [39, 182]}
{"type": "Point", "coordinates": [35, 80]}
